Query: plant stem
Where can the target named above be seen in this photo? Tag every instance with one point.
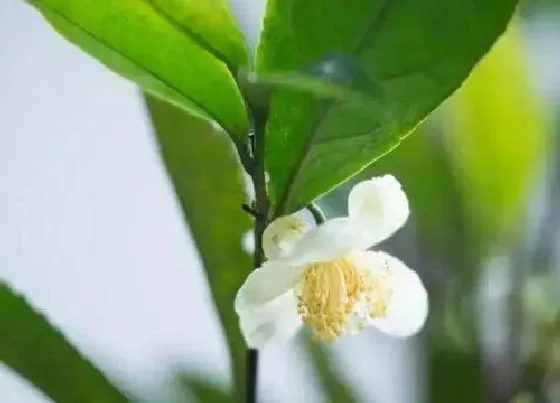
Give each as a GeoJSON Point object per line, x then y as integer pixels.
{"type": "Point", "coordinates": [317, 213]}
{"type": "Point", "coordinates": [261, 221]}
{"type": "Point", "coordinates": [244, 156]}
{"type": "Point", "coordinates": [252, 371]}
{"type": "Point", "coordinates": [248, 209]}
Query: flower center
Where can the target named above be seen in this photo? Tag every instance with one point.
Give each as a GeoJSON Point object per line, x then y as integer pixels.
{"type": "Point", "coordinates": [335, 297]}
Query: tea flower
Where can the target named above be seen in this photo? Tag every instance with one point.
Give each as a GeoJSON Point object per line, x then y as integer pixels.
{"type": "Point", "coordinates": [326, 279]}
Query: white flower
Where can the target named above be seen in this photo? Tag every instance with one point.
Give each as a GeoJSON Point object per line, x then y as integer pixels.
{"type": "Point", "coordinates": [326, 279]}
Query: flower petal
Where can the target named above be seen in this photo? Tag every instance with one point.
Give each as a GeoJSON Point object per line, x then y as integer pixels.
{"type": "Point", "coordinates": [408, 302]}
{"type": "Point", "coordinates": [263, 285]}
{"type": "Point", "coordinates": [281, 235]}
{"type": "Point", "coordinates": [328, 241]}
{"type": "Point", "coordinates": [274, 322]}
{"type": "Point", "coordinates": [408, 306]}
{"type": "Point", "coordinates": [380, 205]}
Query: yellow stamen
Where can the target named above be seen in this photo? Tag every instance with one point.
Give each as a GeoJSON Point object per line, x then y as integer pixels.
{"type": "Point", "coordinates": [335, 297]}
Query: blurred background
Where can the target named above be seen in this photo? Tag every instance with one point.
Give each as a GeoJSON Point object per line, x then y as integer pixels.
{"type": "Point", "coordinates": [91, 233]}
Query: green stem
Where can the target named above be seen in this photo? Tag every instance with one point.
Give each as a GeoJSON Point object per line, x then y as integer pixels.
{"type": "Point", "coordinates": [317, 213]}
{"type": "Point", "coordinates": [259, 182]}
{"type": "Point", "coordinates": [261, 221]}
{"type": "Point", "coordinates": [244, 156]}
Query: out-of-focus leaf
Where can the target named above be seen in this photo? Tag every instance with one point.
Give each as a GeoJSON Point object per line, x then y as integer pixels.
{"type": "Point", "coordinates": [496, 139]}
{"type": "Point", "coordinates": [416, 52]}
{"type": "Point", "coordinates": [211, 25]}
{"type": "Point", "coordinates": [140, 42]}
{"type": "Point", "coordinates": [454, 376]}
{"type": "Point", "coordinates": [541, 299]}
{"type": "Point", "coordinates": [457, 376]}
{"type": "Point", "coordinates": [203, 390]}
{"type": "Point", "coordinates": [334, 386]}
{"type": "Point", "coordinates": [209, 185]}
{"type": "Point", "coordinates": [206, 393]}
{"type": "Point", "coordinates": [36, 350]}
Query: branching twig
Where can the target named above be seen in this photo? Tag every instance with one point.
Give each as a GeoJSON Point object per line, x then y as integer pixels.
{"type": "Point", "coordinates": [248, 209]}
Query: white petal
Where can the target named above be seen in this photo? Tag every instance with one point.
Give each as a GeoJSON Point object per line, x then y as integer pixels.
{"type": "Point", "coordinates": [380, 205]}
{"type": "Point", "coordinates": [272, 323]}
{"type": "Point", "coordinates": [281, 235]}
{"type": "Point", "coordinates": [329, 241]}
{"type": "Point", "coordinates": [273, 279]}
{"type": "Point", "coordinates": [408, 306]}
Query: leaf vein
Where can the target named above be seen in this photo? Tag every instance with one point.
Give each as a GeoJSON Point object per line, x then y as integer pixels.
{"type": "Point", "coordinates": [372, 30]}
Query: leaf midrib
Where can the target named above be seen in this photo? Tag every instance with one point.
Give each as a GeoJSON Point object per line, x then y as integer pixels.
{"type": "Point", "coordinates": [198, 39]}
{"type": "Point", "coordinates": [371, 31]}
{"type": "Point", "coordinates": [61, 15]}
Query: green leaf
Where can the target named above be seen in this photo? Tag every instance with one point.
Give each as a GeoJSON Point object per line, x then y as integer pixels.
{"type": "Point", "coordinates": [187, 385]}
{"type": "Point", "coordinates": [203, 390]}
{"type": "Point", "coordinates": [335, 387]}
{"type": "Point", "coordinates": [497, 129]}
{"type": "Point", "coordinates": [36, 350]}
{"type": "Point", "coordinates": [211, 25]}
{"type": "Point", "coordinates": [416, 52]}
{"type": "Point", "coordinates": [260, 87]}
{"type": "Point", "coordinates": [454, 376]}
{"type": "Point", "coordinates": [209, 185]}
{"type": "Point", "coordinates": [140, 42]}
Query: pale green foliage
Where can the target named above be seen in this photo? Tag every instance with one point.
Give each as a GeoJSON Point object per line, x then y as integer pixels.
{"type": "Point", "coordinates": [496, 138]}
